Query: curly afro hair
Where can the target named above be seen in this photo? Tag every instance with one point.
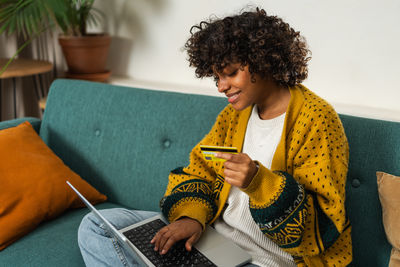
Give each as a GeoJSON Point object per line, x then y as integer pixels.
{"type": "Point", "coordinates": [266, 44]}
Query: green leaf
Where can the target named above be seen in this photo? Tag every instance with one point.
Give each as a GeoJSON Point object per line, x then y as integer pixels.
{"type": "Point", "coordinates": [28, 17]}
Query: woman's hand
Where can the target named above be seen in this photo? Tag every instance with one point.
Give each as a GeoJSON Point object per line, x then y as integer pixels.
{"type": "Point", "coordinates": [185, 228]}
{"type": "Point", "coordinates": [239, 169]}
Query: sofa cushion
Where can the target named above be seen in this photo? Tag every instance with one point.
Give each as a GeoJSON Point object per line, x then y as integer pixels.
{"type": "Point", "coordinates": [389, 188]}
{"type": "Point", "coordinates": [33, 187]}
{"type": "Point", "coordinates": [53, 243]}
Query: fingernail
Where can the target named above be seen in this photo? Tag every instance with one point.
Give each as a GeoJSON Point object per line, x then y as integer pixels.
{"type": "Point", "coordinates": [163, 251]}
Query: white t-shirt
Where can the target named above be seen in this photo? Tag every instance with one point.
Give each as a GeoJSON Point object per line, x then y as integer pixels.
{"type": "Point", "coordinates": [260, 142]}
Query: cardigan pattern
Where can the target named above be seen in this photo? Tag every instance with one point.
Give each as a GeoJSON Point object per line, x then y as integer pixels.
{"type": "Point", "coordinates": [299, 202]}
{"type": "Point", "coordinates": [284, 219]}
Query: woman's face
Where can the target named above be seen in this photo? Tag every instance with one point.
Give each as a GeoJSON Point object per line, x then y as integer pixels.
{"type": "Point", "coordinates": [235, 82]}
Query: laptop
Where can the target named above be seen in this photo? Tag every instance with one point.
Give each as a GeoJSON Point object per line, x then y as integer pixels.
{"type": "Point", "coordinates": [213, 249]}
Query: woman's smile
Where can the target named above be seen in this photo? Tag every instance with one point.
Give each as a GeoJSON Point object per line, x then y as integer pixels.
{"type": "Point", "coordinates": [233, 97]}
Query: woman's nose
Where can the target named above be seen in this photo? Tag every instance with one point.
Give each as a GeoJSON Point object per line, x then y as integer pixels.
{"type": "Point", "coordinates": [223, 85]}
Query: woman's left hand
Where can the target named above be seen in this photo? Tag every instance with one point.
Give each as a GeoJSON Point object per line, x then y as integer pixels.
{"type": "Point", "coordinates": [239, 169]}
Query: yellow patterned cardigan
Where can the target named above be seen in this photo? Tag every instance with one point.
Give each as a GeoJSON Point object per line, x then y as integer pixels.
{"type": "Point", "coordinates": [299, 203]}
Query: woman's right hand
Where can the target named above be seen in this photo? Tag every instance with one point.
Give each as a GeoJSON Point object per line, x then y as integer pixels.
{"type": "Point", "coordinates": [185, 228]}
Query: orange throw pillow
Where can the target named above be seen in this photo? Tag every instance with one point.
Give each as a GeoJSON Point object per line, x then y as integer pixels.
{"type": "Point", "coordinates": [33, 184]}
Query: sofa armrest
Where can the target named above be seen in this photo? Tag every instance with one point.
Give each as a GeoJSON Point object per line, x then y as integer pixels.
{"type": "Point", "coordinates": [12, 123]}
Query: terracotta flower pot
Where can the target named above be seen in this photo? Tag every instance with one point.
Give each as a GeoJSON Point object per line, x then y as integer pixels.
{"type": "Point", "coordinates": [85, 54]}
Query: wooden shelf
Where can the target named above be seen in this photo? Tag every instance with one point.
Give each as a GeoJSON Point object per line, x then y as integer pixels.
{"type": "Point", "coordinates": [21, 67]}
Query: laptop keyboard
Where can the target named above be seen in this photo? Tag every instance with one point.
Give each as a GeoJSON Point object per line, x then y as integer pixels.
{"type": "Point", "coordinates": [176, 256]}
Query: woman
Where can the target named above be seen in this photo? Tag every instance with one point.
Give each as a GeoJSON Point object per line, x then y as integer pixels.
{"type": "Point", "coordinates": [282, 197]}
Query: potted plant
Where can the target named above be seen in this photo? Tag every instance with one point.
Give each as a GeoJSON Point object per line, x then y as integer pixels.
{"type": "Point", "coordinates": [85, 54]}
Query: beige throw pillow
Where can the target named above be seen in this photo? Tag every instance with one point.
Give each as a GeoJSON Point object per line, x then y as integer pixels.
{"type": "Point", "coordinates": [389, 195]}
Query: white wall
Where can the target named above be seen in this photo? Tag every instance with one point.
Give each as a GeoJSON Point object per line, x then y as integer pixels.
{"type": "Point", "coordinates": [355, 61]}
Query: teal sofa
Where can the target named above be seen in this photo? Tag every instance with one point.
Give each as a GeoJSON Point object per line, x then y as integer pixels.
{"type": "Point", "coordinates": [124, 141]}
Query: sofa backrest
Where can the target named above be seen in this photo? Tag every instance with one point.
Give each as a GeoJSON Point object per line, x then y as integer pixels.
{"type": "Point", "coordinates": [374, 146]}
{"type": "Point", "coordinates": [124, 141]}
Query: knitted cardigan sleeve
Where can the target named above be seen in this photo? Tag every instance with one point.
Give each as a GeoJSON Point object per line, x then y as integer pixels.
{"type": "Point", "coordinates": [302, 208]}
{"type": "Point", "coordinates": [192, 191]}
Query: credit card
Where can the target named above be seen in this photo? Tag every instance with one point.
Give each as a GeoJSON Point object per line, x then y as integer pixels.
{"type": "Point", "coordinates": [210, 151]}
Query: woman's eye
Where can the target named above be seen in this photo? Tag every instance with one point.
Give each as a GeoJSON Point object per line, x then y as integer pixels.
{"type": "Point", "coordinates": [216, 80]}
{"type": "Point", "coordinates": [233, 73]}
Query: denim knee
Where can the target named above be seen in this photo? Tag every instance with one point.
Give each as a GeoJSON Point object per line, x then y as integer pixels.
{"type": "Point", "coordinates": [88, 227]}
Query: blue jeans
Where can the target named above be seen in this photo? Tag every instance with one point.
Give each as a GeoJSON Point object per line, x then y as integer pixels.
{"type": "Point", "coordinates": [100, 248]}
